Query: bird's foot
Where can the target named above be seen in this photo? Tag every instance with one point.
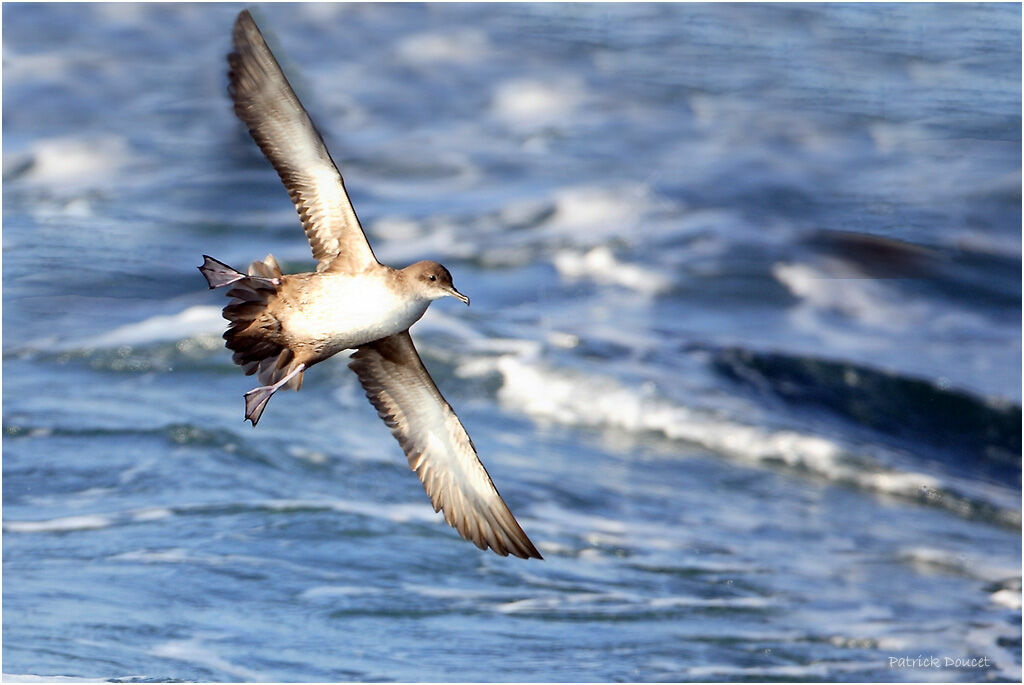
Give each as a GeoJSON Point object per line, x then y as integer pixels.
{"type": "Point", "coordinates": [256, 399]}
{"type": "Point", "coordinates": [219, 274]}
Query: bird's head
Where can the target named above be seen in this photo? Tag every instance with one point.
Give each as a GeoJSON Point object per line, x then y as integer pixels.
{"type": "Point", "coordinates": [432, 281]}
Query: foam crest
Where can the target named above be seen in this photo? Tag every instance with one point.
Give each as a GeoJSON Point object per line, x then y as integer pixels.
{"type": "Point", "coordinates": [398, 513]}
{"type": "Point", "coordinates": [457, 47]}
{"type": "Point", "coordinates": [29, 678]}
{"type": "Point", "coordinates": [530, 103]}
{"type": "Point", "coordinates": [865, 300]}
{"type": "Point", "coordinates": [935, 560]}
{"type": "Point", "coordinates": [1006, 592]}
{"type": "Point", "coordinates": [601, 211]}
{"type": "Point", "coordinates": [624, 603]}
{"type": "Point", "coordinates": [201, 320]}
{"type": "Point", "coordinates": [37, 67]}
{"type": "Point", "coordinates": [601, 265]}
{"type": "Point", "coordinates": [72, 164]}
{"type": "Point", "coordinates": [836, 286]}
{"type": "Point", "coordinates": [65, 524]}
{"type": "Point", "coordinates": [593, 401]}
{"type": "Point", "coordinates": [152, 514]}
{"type": "Point", "coordinates": [194, 652]}
{"type": "Point", "coordinates": [329, 591]}
{"type": "Point", "coordinates": [70, 524]}
{"type": "Point", "coordinates": [823, 671]}
{"type": "Point", "coordinates": [176, 555]}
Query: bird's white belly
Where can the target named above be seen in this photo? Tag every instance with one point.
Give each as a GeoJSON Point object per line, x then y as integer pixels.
{"type": "Point", "coordinates": [349, 311]}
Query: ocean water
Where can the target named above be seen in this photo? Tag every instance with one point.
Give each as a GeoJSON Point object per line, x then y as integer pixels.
{"type": "Point", "coordinates": [744, 354]}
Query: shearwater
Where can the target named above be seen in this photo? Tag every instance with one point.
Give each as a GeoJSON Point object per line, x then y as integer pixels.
{"type": "Point", "coordinates": [282, 324]}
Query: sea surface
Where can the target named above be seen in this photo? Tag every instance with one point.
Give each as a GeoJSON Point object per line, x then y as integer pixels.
{"type": "Point", "coordinates": [744, 353]}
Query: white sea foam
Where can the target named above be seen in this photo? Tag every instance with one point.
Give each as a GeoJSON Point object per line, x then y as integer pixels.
{"type": "Point", "coordinates": [598, 212]}
{"type": "Point", "coordinates": [200, 320]}
{"type": "Point", "coordinates": [322, 12]}
{"type": "Point", "coordinates": [987, 241]}
{"type": "Point", "coordinates": [29, 678]}
{"type": "Point", "coordinates": [41, 67]}
{"type": "Point", "coordinates": [152, 514]}
{"type": "Point", "coordinates": [322, 591]}
{"type": "Point", "coordinates": [456, 593]}
{"type": "Point", "coordinates": [127, 16]}
{"type": "Point", "coordinates": [399, 513]}
{"type": "Point", "coordinates": [64, 524]}
{"type": "Point", "coordinates": [68, 524]}
{"type": "Point", "coordinates": [933, 560]}
{"type": "Point", "coordinates": [311, 456]}
{"type": "Point", "coordinates": [194, 652]}
{"type": "Point", "coordinates": [624, 603]}
{"type": "Point", "coordinates": [532, 103]}
{"type": "Point", "coordinates": [842, 290]}
{"type": "Point", "coordinates": [460, 46]}
{"type": "Point", "coordinates": [399, 228]}
{"type": "Point", "coordinates": [834, 286]}
{"type": "Point", "coordinates": [561, 601]}
{"type": "Point", "coordinates": [573, 398]}
{"type": "Point", "coordinates": [818, 671]}
{"type": "Point", "coordinates": [72, 164]}
{"type": "Point", "coordinates": [175, 555]}
{"type": "Point", "coordinates": [1007, 598]}
{"type": "Point", "coordinates": [600, 264]}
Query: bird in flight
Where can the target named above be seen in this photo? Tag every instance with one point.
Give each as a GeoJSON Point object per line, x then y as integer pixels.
{"type": "Point", "coordinates": [282, 324]}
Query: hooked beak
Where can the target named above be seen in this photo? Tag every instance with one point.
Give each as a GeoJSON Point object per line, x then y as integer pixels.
{"type": "Point", "coordinates": [458, 296]}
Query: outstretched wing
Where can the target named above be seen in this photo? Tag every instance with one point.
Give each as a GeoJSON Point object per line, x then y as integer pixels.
{"type": "Point", "coordinates": [265, 102]}
{"type": "Point", "coordinates": [438, 447]}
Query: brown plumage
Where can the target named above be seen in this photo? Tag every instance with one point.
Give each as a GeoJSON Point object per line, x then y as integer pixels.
{"type": "Point", "coordinates": [282, 324]}
{"type": "Point", "coordinates": [399, 387]}
{"type": "Point", "coordinates": [284, 132]}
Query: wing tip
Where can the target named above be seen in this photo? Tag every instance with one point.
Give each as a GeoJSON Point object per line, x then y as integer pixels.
{"type": "Point", "coordinates": [532, 553]}
{"type": "Point", "coordinates": [510, 538]}
{"type": "Point", "coordinates": [245, 22]}
{"type": "Point", "coordinates": [525, 549]}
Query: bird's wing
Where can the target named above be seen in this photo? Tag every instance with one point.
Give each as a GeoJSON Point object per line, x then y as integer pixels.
{"type": "Point", "coordinates": [280, 126]}
{"type": "Point", "coordinates": [438, 447]}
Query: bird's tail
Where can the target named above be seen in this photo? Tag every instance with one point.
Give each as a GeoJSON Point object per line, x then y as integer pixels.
{"type": "Point", "coordinates": [248, 327]}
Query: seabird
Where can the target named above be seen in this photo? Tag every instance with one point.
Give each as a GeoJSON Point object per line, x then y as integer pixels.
{"type": "Point", "coordinates": [282, 324]}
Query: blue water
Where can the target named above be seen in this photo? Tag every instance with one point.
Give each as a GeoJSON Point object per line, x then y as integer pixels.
{"type": "Point", "coordinates": [744, 354]}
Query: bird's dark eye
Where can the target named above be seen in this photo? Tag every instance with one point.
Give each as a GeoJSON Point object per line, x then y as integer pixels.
{"type": "Point", "coordinates": [433, 277]}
